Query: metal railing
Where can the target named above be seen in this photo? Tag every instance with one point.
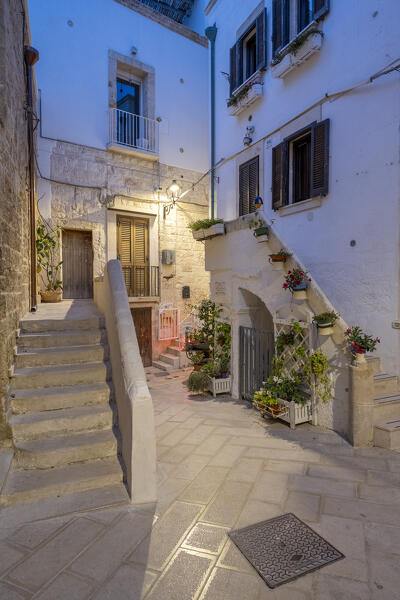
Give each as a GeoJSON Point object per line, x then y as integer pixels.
{"type": "Point", "coordinates": [134, 131]}
{"type": "Point", "coordinates": [141, 280]}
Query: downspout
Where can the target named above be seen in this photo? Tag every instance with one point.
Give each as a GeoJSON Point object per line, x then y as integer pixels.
{"type": "Point", "coordinates": [211, 33]}
{"type": "Point", "coordinates": [31, 57]}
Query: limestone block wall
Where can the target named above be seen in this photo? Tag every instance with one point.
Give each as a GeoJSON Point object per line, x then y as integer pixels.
{"type": "Point", "coordinates": [118, 183]}
{"type": "Point", "coordinates": [14, 198]}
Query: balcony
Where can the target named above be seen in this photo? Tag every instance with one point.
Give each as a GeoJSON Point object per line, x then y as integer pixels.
{"type": "Point", "coordinates": [133, 134]}
{"type": "Point", "coordinates": [142, 281]}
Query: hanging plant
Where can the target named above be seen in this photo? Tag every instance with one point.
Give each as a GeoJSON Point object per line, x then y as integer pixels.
{"type": "Point", "coordinates": [280, 256]}
{"type": "Point", "coordinates": [317, 371]}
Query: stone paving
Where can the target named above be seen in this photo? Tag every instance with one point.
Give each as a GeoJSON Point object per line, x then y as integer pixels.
{"type": "Point", "coordinates": [220, 466]}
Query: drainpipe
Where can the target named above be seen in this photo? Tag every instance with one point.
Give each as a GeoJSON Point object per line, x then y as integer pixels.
{"type": "Point", "coordinates": [211, 33]}
{"type": "Point", "coordinates": [31, 57]}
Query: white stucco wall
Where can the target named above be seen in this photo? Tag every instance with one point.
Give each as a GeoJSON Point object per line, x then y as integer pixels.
{"type": "Point", "coordinates": [72, 74]}
{"type": "Point", "coordinates": [360, 38]}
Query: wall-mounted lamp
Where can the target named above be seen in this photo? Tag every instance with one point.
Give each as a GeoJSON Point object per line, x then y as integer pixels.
{"type": "Point", "coordinates": [173, 194]}
{"type": "Point", "coordinates": [258, 202]}
{"type": "Point", "coordinates": [247, 138]}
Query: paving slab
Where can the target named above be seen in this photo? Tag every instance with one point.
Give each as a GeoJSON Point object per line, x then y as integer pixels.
{"type": "Point", "coordinates": [230, 584]}
{"type": "Point", "coordinates": [66, 586]}
{"type": "Point", "coordinates": [129, 582]}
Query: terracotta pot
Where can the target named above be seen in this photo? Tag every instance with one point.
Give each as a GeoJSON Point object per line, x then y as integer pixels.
{"type": "Point", "coordinates": [277, 258]}
{"type": "Point", "coordinates": [196, 367]}
{"type": "Point", "coordinates": [51, 295]}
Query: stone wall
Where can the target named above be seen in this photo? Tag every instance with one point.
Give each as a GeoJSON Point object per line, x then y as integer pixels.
{"type": "Point", "coordinates": [133, 185]}
{"type": "Point", "coordinates": [14, 196]}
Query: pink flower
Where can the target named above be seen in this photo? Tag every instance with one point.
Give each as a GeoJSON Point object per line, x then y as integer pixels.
{"type": "Point", "coordinates": [285, 285]}
{"type": "Point", "coordinates": [301, 274]}
{"type": "Point", "coordinates": [348, 330]}
{"type": "Point", "coordinates": [378, 340]}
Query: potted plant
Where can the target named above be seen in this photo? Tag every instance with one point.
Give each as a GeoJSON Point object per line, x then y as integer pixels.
{"type": "Point", "coordinates": [317, 371]}
{"type": "Point", "coordinates": [197, 359]}
{"type": "Point", "coordinates": [266, 403]}
{"type": "Point", "coordinates": [325, 322]}
{"type": "Point", "coordinates": [278, 259]}
{"type": "Point", "coordinates": [360, 343]}
{"type": "Point", "coordinates": [260, 229]}
{"type": "Point", "coordinates": [48, 264]}
{"type": "Point", "coordinates": [284, 396]}
{"type": "Point", "coordinates": [297, 282]}
{"type": "Point", "coordinates": [197, 382]}
{"type": "Point", "coordinates": [207, 228]}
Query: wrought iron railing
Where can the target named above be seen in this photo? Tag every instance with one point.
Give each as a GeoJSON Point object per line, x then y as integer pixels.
{"type": "Point", "coordinates": [141, 280]}
{"type": "Point", "coordinates": [134, 131]}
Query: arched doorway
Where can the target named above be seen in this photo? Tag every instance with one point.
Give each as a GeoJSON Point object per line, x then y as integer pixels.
{"type": "Point", "coordinates": [256, 345]}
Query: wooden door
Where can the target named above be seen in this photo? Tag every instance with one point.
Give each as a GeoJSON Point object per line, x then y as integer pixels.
{"type": "Point", "coordinates": [142, 322]}
{"type": "Point", "coordinates": [77, 256]}
{"type": "Point", "coordinates": [133, 253]}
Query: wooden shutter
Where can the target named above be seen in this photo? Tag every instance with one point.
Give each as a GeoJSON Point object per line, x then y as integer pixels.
{"type": "Point", "coordinates": [125, 251]}
{"type": "Point", "coordinates": [261, 40]}
{"type": "Point", "coordinates": [140, 251]}
{"type": "Point", "coordinates": [320, 158]}
{"type": "Point", "coordinates": [280, 24]}
{"type": "Point", "coordinates": [280, 175]}
{"type": "Point", "coordinates": [320, 8]}
{"type": "Point", "coordinates": [248, 186]}
{"type": "Point", "coordinates": [233, 70]}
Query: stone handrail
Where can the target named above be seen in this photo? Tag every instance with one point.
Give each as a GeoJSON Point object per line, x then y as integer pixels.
{"type": "Point", "coordinates": [134, 402]}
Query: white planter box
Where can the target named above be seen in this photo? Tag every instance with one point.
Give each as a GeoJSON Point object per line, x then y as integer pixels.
{"type": "Point", "coordinates": [291, 61]}
{"type": "Point", "coordinates": [203, 234]}
{"type": "Point", "coordinates": [254, 93]}
{"type": "Point", "coordinates": [219, 386]}
{"type": "Point", "coordinates": [296, 413]}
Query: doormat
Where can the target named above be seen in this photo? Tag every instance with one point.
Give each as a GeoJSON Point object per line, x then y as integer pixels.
{"type": "Point", "coordinates": [283, 548]}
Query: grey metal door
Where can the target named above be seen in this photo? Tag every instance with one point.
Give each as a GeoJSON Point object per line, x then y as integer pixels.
{"type": "Point", "coordinates": [256, 349]}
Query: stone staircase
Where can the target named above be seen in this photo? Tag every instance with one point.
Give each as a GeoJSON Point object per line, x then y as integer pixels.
{"type": "Point", "coordinates": [60, 406]}
{"type": "Point", "coordinates": [173, 358]}
{"type": "Point", "coordinates": [386, 407]}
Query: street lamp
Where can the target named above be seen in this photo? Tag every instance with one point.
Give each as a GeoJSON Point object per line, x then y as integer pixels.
{"type": "Point", "coordinates": [173, 194]}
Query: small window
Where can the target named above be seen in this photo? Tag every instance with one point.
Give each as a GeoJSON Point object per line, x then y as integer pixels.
{"type": "Point", "coordinates": [249, 53]}
{"type": "Point", "coordinates": [300, 166]}
{"type": "Point", "coordinates": [248, 185]}
{"type": "Point", "coordinates": [289, 17]}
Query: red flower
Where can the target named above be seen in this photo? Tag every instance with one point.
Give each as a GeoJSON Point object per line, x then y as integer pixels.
{"type": "Point", "coordinates": [378, 340]}
{"type": "Point", "coordinates": [289, 272]}
{"type": "Point", "coordinates": [301, 274]}
{"type": "Point", "coordinates": [348, 330]}
{"type": "Point", "coordinates": [292, 277]}
{"type": "Point", "coordinates": [310, 279]}
{"type": "Point", "coordinates": [356, 345]}
{"type": "Point", "coordinates": [360, 351]}
{"type": "Point", "coordinates": [285, 285]}
{"type": "Point", "coordinates": [297, 282]}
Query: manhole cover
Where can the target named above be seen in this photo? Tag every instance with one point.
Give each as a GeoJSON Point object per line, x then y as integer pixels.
{"type": "Point", "coordinates": [283, 548]}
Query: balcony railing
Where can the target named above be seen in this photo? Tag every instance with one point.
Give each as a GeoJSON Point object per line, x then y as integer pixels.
{"type": "Point", "coordinates": [133, 131]}
{"type": "Point", "coordinates": [141, 281]}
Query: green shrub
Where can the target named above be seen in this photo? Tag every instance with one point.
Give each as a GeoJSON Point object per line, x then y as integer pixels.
{"type": "Point", "coordinates": [203, 224]}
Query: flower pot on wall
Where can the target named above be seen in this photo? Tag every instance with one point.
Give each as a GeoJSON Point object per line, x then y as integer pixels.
{"type": "Point", "coordinates": [325, 328]}
{"type": "Point", "coordinates": [277, 261]}
{"type": "Point", "coordinates": [300, 293]}
{"type": "Point", "coordinates": [359, 359]}
{"type": "Point", "coordinates": [51, 295]}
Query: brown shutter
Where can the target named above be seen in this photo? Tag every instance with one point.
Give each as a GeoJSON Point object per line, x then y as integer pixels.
{"type": "Point", "coordinates": [320, 158]}
{"type": "Point", "coordinates": [276, 26]}
{"type": "Point", "coordinates": [320, 8]}
{"type": "Point", "coordinates": [140, 256]}
{"type": "Point", "coordinates": [277, 177]}
{"type": "Point", "coordinates": [285, 173]}
{"type": "Point", "coordinates": [248, 185]}
{"type": "Point", "coordinates": [261, 39]}
{"type": "Point", "coordinates": [125, 253]}
{"type": "Point", "coordinates": [233, 70]}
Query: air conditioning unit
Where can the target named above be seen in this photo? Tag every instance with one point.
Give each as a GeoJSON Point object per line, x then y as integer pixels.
{"type": "Point", "coordinates": [168, 257]}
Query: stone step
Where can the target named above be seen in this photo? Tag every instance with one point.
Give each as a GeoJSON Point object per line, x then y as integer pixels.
{"type": "Point", "coordinates": [39, 325]}
{"type": "Point", "coordinates": [161, 365]}
{"type": "Point", "coordinates": [53, 375]}
{"type": "Point", "coordinates": [55, 422]}
{"type": "Point", "coordinates": [60, 356]}
{"type": "Point", "coordinates": [387, 433]}
{"type": "Point", "coordinates": [375, 363]}
{"type": "Point", "coordinates": [384, 383]}
{"type": "Point", "coordinates": [24, 485]}
{"type": "Point", "coordinates": [386, 407]}
{"type": "Point", "coordinates": [54, 398]}
{"type": "Point", "coordinates": [69, 337]}
{"type": "Point", "coordinates": [174, 350]}
{"type": "Point", "coordinates": [55, 451]}
{"type": "Point", "coordinates": [171, 360]}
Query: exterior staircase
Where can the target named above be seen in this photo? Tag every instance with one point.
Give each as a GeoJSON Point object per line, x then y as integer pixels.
{"type": "Point", "coordinates": [386, 407]}
{"type": "Point", "coordinates": [60, 407]}
{"type": "Point", "coordinates": [172, 359]}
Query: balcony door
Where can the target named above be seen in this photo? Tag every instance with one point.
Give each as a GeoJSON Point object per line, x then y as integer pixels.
{"type": "Point", "coordinates": [133, 253]}
{"type": "Point", "coordinates": [128, 111]}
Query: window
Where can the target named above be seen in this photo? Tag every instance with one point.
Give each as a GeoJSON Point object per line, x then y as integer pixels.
{"type": "Point", "coordinates": [128, 111]}
{"type": "Point", "coordinates": [289, 17]}
{"type": "Point", "coordinates": [249, 53]}
{"type": "Point", "coordinates": [300, 166]}
{"type": "Point", "coordinates": [248, 185]}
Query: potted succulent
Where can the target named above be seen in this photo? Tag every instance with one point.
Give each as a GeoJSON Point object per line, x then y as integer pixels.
{"type": "Point", "coordinates": [260, 229]}
{"type": "Point", "coordinates": [325, 322]}
{"type": "Point", "coordinates": [360, 343]}
{"type": "Point", "coordinates": [297, 282]}
{"type": "Point", "coordinates": [48, 264]}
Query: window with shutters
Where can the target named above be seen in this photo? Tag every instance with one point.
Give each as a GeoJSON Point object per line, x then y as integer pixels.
{"type": "Point", "coordinates": [248, 185]}
{"type": "Point", "coordinates": [249, 54]}
{"type": "Point", "coordinates": [300, 166]}
{"type": "Point", "coordinates": [291, 17]}
{"type": "Point", "coordinates": [133, 254]}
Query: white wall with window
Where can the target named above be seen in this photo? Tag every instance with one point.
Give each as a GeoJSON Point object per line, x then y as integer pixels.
{"type": "Point", "coordinates": [330, 166]}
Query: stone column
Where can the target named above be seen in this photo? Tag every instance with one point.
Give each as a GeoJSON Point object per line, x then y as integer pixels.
{"type": "Point", "coordinates": [362, 405]}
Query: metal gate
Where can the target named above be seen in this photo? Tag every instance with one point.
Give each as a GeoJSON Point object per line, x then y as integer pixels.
{"type": "Point", "coordinates": [256, 349]}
